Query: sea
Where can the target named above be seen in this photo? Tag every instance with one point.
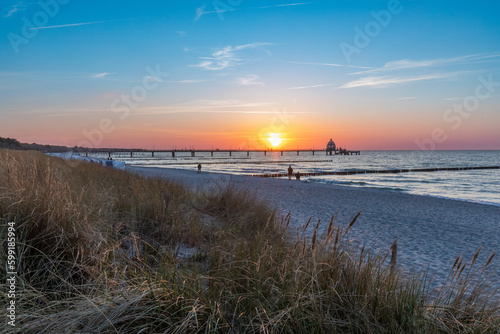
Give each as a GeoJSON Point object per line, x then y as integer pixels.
{"type": "Point", "coordinates": [481, 186]}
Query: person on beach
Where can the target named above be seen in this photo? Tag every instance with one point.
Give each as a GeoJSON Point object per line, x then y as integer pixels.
{"type": "Point", "coordinates": [297, 176]}
{"type": "Point", "coordinates": [199, 168]}
{"type": "Point", "coordinates": [290, 171]}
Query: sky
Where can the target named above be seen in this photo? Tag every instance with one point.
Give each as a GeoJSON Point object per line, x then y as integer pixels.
{"type": "Point", "coordinates": [159, 74]}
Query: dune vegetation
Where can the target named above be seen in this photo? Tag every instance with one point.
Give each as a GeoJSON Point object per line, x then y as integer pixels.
{"type": "Point", "coordinates": [105, 251]}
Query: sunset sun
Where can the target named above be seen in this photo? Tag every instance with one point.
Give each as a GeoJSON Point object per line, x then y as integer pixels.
{"type": "Point", "coordinates": [274, 139]}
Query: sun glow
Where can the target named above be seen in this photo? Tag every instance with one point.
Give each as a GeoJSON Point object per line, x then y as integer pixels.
{"type": "Point", "coordinates": [274, 139]}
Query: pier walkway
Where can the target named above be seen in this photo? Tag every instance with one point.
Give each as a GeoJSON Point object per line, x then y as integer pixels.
{"type": "Point", "coordinates": [230, 152]}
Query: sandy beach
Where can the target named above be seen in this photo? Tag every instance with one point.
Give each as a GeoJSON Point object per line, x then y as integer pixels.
{"type": "Point", "coordinates": [431, 231]}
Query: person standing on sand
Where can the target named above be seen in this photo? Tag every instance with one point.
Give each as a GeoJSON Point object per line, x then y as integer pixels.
{"type": "Point", "coordinates": [297, 176]}
{"type": "Point", "coordinates": [290, 171]}
{"type": "Point", "coordinates": [199, 168]}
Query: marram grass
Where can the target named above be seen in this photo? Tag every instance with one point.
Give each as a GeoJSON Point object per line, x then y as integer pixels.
{"type": "Point", "coordinates": [104, 251]}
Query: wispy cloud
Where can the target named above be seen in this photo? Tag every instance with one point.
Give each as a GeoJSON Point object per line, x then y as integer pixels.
{"type": "Point", "coordinates": [151, 78]}
{"type": "Point", "coordinates": [312, 86]}
{"type": "Point", "coordinates": [287, 5]}
{"type": "Point", "coordinates": [227, 57]}
{"type": "Point", "coordinates": [386, 80]}
{"type": "Point", "coordinates": [353, 66]}
{"type": "Point", "coordinates": [101, 75]}
{"type": "Point", "coordinates": [14, 9]}
{"type": "Point", "coordinates": [211, 106]}
{"type": "Point", "coordinates": [406, 98]}
{"type": "Point", "coordinates": [323, 64]}
{"type": "Point", "coordinates": [30, 77]}
{"type": "Point", "coordinates": [201, 11]}
{"type": "Point", "coordinates": [67, 25]}
{"type": "Point", "coordinates": [312, 63]}
{"type": "Point", "coordinates": [189, 81]}
{"type": "Point", "coordinates": [197, 106]}
{"type": "Point", "coordinates": [250, 80]}
{"type": "Point", "coordinates": [405, 64]}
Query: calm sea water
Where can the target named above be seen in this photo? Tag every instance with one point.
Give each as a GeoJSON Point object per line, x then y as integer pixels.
{"type": "Point", "coordinates": [474, 185]}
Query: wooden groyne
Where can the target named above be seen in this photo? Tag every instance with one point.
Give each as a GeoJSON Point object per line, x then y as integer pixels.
{"type": "Point", "coordinates": [383, 171]}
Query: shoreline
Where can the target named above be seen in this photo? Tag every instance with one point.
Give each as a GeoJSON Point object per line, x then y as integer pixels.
{"type": "Point", "coordinates": [324, 182]}
{"type": "Point", "coordinates": [402, 191]}
{"type": "Point", "coordinates": [431, 231]}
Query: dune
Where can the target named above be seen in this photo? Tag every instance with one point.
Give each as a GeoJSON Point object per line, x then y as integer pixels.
{"type": "Point", "coordinates": [431, 232]}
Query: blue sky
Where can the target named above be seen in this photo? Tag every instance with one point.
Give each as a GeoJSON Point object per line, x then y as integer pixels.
{"type": "Point", "coordinates": [372, 74]}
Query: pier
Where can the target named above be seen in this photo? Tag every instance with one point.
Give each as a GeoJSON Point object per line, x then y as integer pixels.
{"type": "Point", "coordinates": [230, 152]}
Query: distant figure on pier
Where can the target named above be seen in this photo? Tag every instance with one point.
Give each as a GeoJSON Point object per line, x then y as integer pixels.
{"type": "Point", "coordinates": [290, 171]}
{"type": "Point", "coordinates": [199, 168]}
{"type": "Point", "coordinates": [297, 176]}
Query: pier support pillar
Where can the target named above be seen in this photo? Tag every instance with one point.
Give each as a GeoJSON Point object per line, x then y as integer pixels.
{"type": "Point", "coordinates": [313, 152]}
{"type": "Point", "coordinates": [212, 153]}
{"type": "Point", "coordinates": [281, 153]}
{"type": "Point", "coordinates": [153, 154]}
{"type": "Point", "coordinates": [230, 153]}
{"type": "Point", "coordinates": [173, 154]}
{"type": "Point", "coordinates": [131, 153]}
{"type": "Point", "coordinates": [265, 153]}
{"type": "Point", "coordinates": [297, 153]}
{"type": "Point", "coordinates": [248, 153]}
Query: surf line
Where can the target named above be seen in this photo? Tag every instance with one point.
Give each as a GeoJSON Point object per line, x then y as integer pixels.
{"type": "Point", "coordinates": [384, 171]}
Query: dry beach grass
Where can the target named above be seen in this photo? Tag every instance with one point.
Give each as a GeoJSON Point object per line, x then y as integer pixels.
{"type": "Point", "coordinates": [106, 251]}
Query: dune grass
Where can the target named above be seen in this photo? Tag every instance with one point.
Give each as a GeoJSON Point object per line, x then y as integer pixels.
{"type": "Point", "coordinates": [104, 251]}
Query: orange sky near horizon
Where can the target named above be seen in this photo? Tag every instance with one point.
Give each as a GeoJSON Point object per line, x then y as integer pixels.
{"type": "Point", "coordinates": [251, 131]}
